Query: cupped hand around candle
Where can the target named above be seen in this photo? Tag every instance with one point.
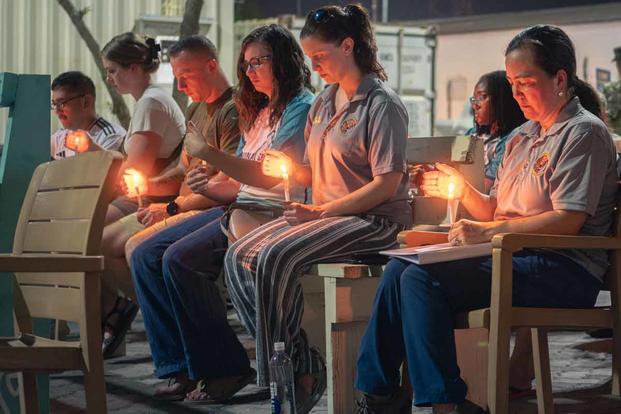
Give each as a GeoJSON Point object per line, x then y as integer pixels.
{"type": "Point", "coordinates": [195, 143]}
{"type": "Point", "coordinates": [152, 214]}
{"type": "Point", "coordinates": [437, 183]}
{"type": "Point", "coordinates": [470, 232]}
{"type": "Point", "coordinates": [297, 213]}
{"type": "Point", "coordinates": [276, 163]}
{"type": "Point", "coordinates": [78, 141]}
{"type": "Point", "coordinates": [197, 179]}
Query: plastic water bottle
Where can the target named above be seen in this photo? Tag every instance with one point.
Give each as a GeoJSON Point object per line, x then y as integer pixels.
{"type": "Point", "coordinates": [281, 381]}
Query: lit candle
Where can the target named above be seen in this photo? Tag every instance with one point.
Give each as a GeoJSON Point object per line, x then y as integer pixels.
{"type": "Point", "coordinates": [136, 183]}
{"type": "Point", "coordinates": [77, 141]}
{"type": "Point", "coordinates": [285, 178]}
{"type": "Point", "coordinates": [451, 203]}
{"type": "Point", "coordinates": [136, 179]}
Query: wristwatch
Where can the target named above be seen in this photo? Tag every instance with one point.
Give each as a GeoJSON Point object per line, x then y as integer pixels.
{"type": "Point", "coordinates": [172, 208]}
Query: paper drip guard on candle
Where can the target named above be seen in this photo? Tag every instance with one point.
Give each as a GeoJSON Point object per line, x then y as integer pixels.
{"type": "Point", "coordinates": [285, 178]}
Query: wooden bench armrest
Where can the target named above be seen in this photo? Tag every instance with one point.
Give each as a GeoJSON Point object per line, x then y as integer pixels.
{"type": "Point", "coordinates": [514, 242]}
{"type": "Point", "coordinates": [43, 263]}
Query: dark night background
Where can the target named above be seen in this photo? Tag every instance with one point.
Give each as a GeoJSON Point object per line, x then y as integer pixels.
{"type": "Point", "coordinates": [407, 9]}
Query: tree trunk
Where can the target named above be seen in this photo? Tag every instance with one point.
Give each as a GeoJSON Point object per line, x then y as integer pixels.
{"type": "Point", "coordinates": [119, 108]}
{"type": "Point", "coordinates": [189, 27]}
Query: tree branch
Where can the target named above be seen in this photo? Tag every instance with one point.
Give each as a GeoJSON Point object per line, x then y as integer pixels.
{"type": "Point", "coordinates": [119, 108]}
{"type": "Point", "coordinates": [189, 26]}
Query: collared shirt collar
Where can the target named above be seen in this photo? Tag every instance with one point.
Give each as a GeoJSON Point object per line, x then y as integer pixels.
{"type": "Point", "coordinates": [367, 83]}
{"type": "Point", "coordinates": [532, 129]}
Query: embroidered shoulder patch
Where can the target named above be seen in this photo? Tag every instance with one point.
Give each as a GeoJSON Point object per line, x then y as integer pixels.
{"type": "Point", "coordinates": [348, 124]}
{"type": "Point", "coordinates": [541, 164]}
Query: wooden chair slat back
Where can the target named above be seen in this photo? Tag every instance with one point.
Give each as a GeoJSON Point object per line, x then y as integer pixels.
{"type": "Point", "coordinates": [63, 213]}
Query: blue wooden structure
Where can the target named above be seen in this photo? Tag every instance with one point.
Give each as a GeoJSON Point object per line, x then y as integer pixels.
{"type": "Point", "coordinates": [26, 145]}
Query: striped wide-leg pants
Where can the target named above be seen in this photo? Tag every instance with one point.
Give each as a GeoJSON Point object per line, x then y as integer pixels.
{"type": "Point", "coordinates": [263, 272]}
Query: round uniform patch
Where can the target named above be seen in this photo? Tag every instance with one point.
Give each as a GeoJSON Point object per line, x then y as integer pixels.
{"type": "Point", "coordinates": [541, 164]}
{"type": "Point", "coordinates": [348, 124]}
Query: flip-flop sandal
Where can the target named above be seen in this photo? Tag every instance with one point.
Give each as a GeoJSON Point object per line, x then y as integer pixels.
{"type": "Point", "coordinates": [518, 393]}
{"type": "Point", "coordinates": [200, 395]}
{"type": "Point", "coordinates": [119, 327]}
{"type": "Point", "coordinates": [172, 391]}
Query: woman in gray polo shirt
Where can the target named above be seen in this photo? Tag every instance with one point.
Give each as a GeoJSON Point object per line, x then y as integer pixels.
{"type": "Point", "coordinates": [355, 160]}
{"type": "Point", "coordinates": [557, 176]}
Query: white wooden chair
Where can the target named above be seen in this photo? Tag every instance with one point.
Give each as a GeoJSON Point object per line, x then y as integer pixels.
{"type": "Point", "coordinates": [57, 268]}
{"type": "Point", "coordinates": [501, 317]}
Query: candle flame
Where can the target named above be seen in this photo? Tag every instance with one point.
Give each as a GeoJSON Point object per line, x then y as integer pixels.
{"type": "Point", "coordinates": [135, 181]}
{"type": "Point", "coordinates": [451, 189]}
{"type": "Point", "coordinates": [78, 140]}
{"type": "Point", "coordinates": [283, 169]}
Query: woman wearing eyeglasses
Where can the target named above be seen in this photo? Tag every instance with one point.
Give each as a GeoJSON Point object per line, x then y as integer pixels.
{"type": "Point", "coordinates": [175, 271]}
{"type": "Point", "coordinates": [496, 115]}
{"type": "Point", "coordinates": [355, 161]}
{"type": "Point", "coordinates": [557, 176]}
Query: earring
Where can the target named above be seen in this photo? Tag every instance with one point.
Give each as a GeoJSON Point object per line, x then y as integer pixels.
{"type": "Point", "coordinates": [561, 93]}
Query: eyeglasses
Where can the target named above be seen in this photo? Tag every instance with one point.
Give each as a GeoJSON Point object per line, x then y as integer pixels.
{"type": "Point", "coordinates": [320, 15]}
{"type": "Point", "coordinates": [255, 63]}
{"type": "Point", "coordinates": [60, 105]}
{"type": "Point", "coordinates": [474, 100]}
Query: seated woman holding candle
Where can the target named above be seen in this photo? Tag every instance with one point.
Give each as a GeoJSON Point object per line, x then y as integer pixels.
{"type": "Point", "coordinates": [356, 138]}
{"type": "Point", "coordinates": [153, 142]}
{"type": "Point", "coordinates": [557, 177]}
{"type": "Point", "coordinates": [175, 270]}
{"type": "Point", "coordinates": [496, 115]}
{"type": "Point", "coordinates": [157, 126]}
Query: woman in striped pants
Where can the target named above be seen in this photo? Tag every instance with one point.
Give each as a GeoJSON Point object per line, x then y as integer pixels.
{"type": "Point", "coordinates": [356, 135]}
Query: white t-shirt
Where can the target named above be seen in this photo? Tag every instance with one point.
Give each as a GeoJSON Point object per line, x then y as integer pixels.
{"type": "Point", "coordinates": [106, 134]}
{"type": "Point", "coordinates": [156, 111]}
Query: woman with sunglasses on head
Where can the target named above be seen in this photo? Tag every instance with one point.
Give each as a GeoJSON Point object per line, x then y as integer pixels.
{"type": "Point", "coordinates": [557, 176]}
{"type": "Point", "coordinates": [175, 271]}
{"type": "Point", "coordinates": [355, 161]}
{"type": "Point", "coordinates": [496, 115]}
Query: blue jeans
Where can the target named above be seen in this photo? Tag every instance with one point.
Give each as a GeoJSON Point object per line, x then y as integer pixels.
{"type": "Point", "coordinates": [414, 312]}
{"type": "Point", "coordinates": [174, 272]}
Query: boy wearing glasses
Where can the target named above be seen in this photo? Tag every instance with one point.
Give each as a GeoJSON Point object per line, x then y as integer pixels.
{"type": "Point", "coordinates": [73, 102]}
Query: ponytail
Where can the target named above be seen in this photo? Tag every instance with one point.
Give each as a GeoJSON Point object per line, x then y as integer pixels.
{"type": "Point", "coordinates": [588, 97]}
{"type": "Point", "coordinates": [335, 23]}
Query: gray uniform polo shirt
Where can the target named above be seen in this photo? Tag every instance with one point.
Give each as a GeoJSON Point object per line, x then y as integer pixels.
{"type": "Point", "coordinates": [365, 138]}
{"type": "Point", "coordinates": [571, 167]}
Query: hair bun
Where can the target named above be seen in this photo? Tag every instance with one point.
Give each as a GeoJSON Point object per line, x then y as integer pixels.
{"type": "Point", "coordinates": [154, 48]}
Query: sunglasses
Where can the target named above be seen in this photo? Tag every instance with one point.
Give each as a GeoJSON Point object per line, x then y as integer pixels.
{"type": "Point", "coordinates": [321, 15]}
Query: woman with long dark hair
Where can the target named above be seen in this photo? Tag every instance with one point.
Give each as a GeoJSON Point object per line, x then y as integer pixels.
{"type": "Point", "coordinates": [175, 271]}
{"type": "Point", "coordinates": [557, 176]}
{"type": "Point", "coordinates": [496, 115]}
{"type": "Point", "coordinates": [355, 162]}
